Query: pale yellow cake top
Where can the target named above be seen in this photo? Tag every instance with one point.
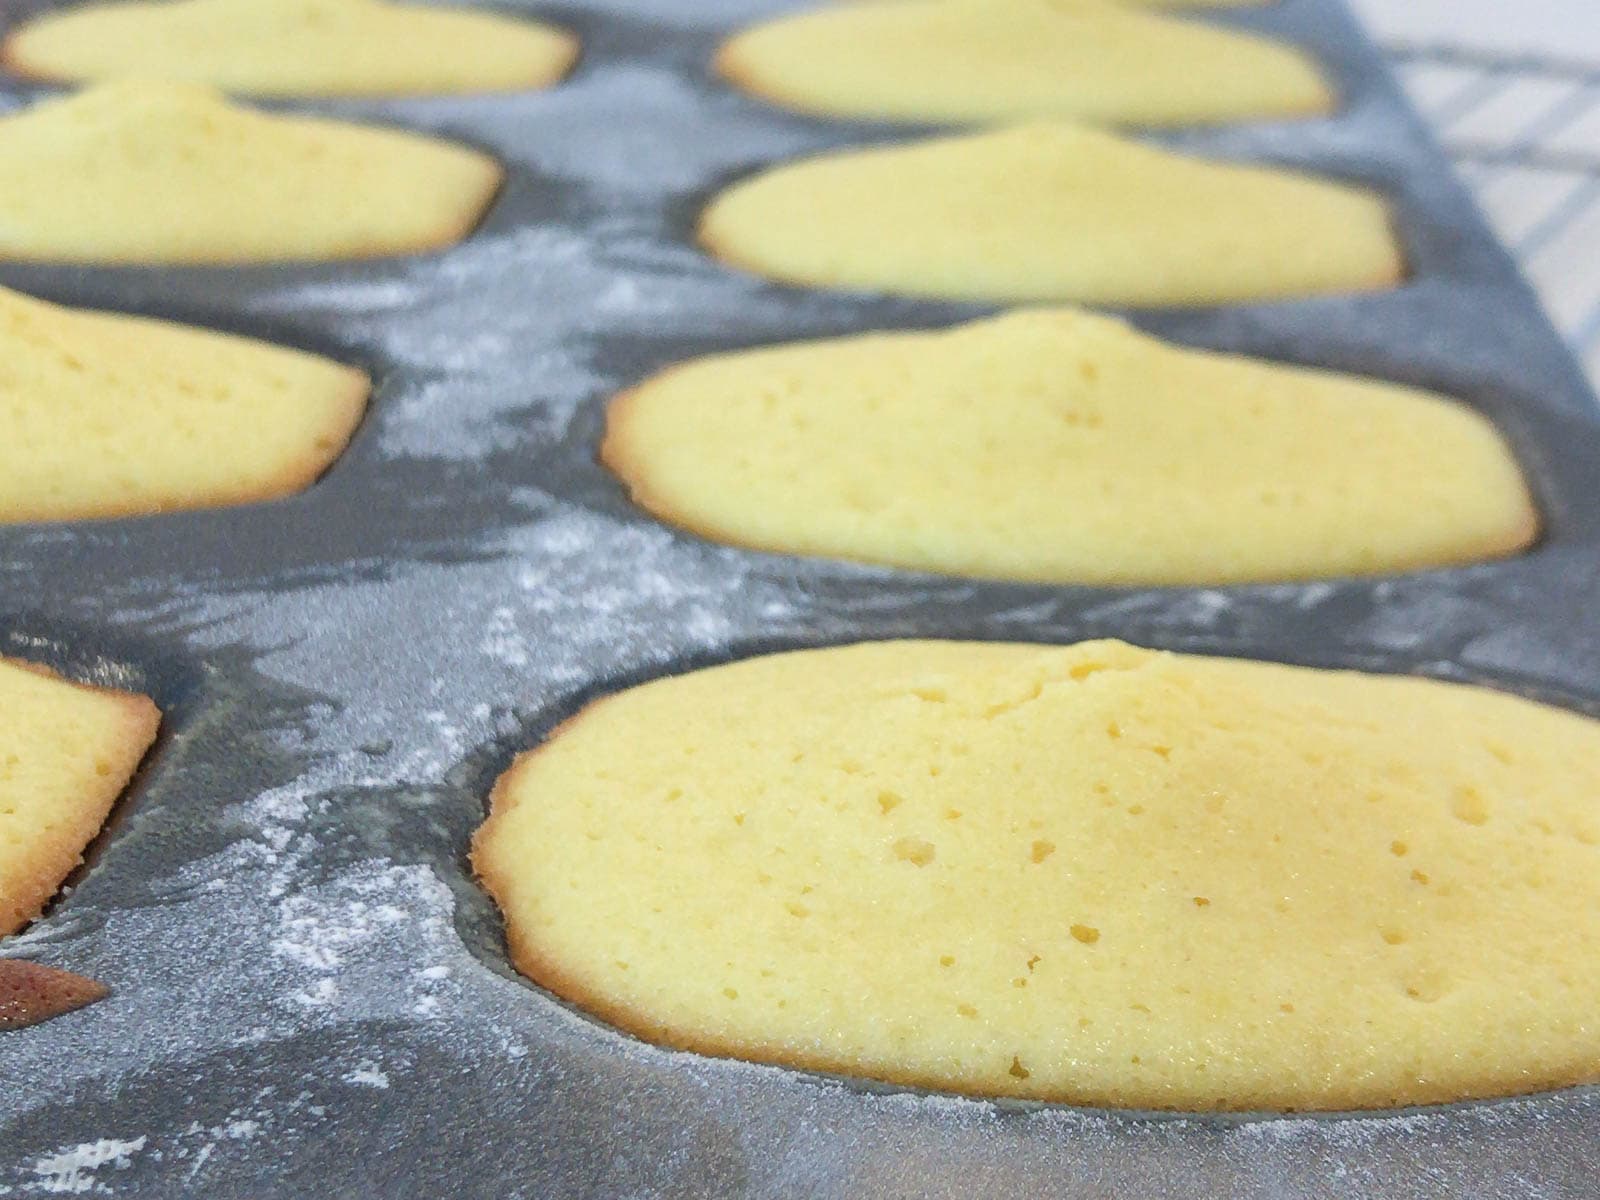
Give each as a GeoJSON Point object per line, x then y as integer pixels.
{"type": "Point", "coordinates": [294, 47]}
{"type": "Point", "coordinates": [1095, 874]}
{"type": "Point", "coordinates": [1053, 211]}
{"type": "Point", "coordinates": [1061, 447]}
{"type": "Point", "coordinates": [999, 60]}
{"type": "Point", "coordinates": [141, 171]}
{"type": "Point", "coordinates": [66, 752]}
{"type": "Point", "coordinates": [110, 415]}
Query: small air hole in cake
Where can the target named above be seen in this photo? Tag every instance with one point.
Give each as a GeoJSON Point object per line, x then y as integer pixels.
{"type": "Point", "coordinates": [1204, 911]}
{"type": "Point", "coordinates": [1056, 446]}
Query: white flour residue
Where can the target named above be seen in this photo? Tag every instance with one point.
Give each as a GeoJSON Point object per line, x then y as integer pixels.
{"type": "Point", "coordinates": [76, 1170]}
{"type": "Point", "coordinates": [633, 129]}
{"type": "Point", "coordinates": [502, 641]}
{"type": "Point", "coordinates": [210, 1138]}
{"type": "Point", "coordinates": [501, 337]}
{"type": "Point", "coordinates": [272, 823]}
{"type": "Point", "coordinates": [372, 921]}
{"type": "Point", "coordinates": [367, 1074]}
{"type": "Point", "coordinates": [1201, 609]}
{"type": "Point", "coordinates": [433, 639]}
{"type": "Point", "coordinates": [309, 965]}
{"type": "Point", "coordinates": [376, 940]}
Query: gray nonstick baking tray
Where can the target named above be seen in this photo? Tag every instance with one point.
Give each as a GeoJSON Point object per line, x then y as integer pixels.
{"type": "Point", "coordinates": [311, 997]}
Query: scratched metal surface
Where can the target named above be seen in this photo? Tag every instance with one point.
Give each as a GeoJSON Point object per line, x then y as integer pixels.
{"type": "Point", "coordinates": [312, 998]}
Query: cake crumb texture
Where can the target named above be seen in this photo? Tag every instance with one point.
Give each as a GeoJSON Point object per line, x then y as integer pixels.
{"type": "Point", "coordinates": [1058, 446]}
{"type": "Point", "coordinates": [294, 47]}
{"type": "Point", "coordinates": [1053, 211]}
{"type": "Point", "coordinates": [1097, 874]}
{"type": "Point", "coordinates": [109, 415]}
{"type": "Point", "coordinates": [995, 60]}
{"type": "Point", "coordinates": [146, 171]}
{"type": "Point", "coordinates": [67, 750]}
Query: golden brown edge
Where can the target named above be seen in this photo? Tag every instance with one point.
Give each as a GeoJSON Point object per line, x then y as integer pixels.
{"type": "Point", "coordinates": [1393, 272]}
{"type": "Point", "coordinates": [1387, 275]}
{"type": "Point", "coordinates": [56, 857]}
{"type": "Point", "coordinates": [346, 409]}
{"type": "Point", "coordinates": [571, 51]}
{"type": "Point", "coordinates": [616, 454]}
{"type": "Point", "coordinates": [729, 65]}
{"type": "Point", "coordinates": [478, 196]}
{"type": "Point", "coordinates": [542, 970]}
{"type": "Point", "coordinates": [717, 248]}
{"type": "Point", "coordinates": [568, 44]}
{"type": "Point", "coordinates": [11, 62]}
{"type": "Point", "coordinates": [483, 192]}
{"type": "Point", "coordinates": [1324, 101]}
{"type": "Point", "coordinates": [547, 972]}
{"type": "Point", "coordinates": [1527, 532]}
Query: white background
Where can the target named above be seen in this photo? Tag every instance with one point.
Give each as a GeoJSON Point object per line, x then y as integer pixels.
{"type": "Point", "coordinates": [1512, 89]}
{"type": "Point", "coordinates": [1563, 29]}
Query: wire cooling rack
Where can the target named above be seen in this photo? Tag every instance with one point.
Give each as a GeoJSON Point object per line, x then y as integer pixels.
{"type": "Point", "coordinates": [1524, 131]}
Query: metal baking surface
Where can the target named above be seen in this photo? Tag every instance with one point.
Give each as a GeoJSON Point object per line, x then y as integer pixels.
{"type": "Point", "coordinates": [311, 996]}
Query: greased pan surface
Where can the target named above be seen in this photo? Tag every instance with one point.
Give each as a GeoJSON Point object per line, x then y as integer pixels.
{"type": "Point", "coordinates": [311, 996]}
